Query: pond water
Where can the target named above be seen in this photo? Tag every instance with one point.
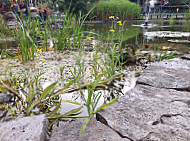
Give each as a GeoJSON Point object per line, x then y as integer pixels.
{"type": "Point", "coordinates": [177, 39]}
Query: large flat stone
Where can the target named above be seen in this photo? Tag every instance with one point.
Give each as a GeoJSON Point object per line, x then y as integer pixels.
{"type": "Point", "coordinates": [95, 131]}
{"type": "Point", "coordinates": [147, 112]}
{"type": "Point", "coordinates": [174, 74]}
{"type": "Point", "coordinates": [25, 129]}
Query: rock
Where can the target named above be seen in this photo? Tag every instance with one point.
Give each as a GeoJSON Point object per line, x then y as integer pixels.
{"type": "Point", "coordinates": [28, 128]}
{"type": "Point", "coordinates": [173, 74]}
{"type": "Point", "coordinates": [5, 98]}
{"type": "Point", "coordinates": [94, 131]}
{"type": "Point", "coordinates": [187, 56]}
{"type": "Point", "coordinates": [149, 113]}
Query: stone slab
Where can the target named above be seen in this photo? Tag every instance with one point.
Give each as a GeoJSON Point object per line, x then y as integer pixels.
{"type": "Point", "coordinates": [149, 113]}
{"type": "Point", "coordinates": [25, 129]}
{"type": "Point", "coordinates": [172, 74]}
{"type": "Point", "coordinates": [95, 131]}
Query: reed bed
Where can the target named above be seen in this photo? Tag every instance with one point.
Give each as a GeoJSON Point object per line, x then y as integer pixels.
{"type": "Point", "coordinates": [123, 9]}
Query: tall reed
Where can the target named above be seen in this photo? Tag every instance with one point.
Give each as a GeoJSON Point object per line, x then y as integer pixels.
{"type": "Point", "coordinates": [121, 8]}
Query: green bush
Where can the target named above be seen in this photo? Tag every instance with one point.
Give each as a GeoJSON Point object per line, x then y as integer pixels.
{"type": "Point", "coordinates": [123, 9]}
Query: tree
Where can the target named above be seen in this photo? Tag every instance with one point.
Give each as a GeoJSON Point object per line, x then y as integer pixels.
{"type": "Point", "coordinates": [76, 6]}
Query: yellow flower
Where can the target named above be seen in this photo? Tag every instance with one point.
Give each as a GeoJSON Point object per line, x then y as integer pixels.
{"type": "Point", "coordinates": [111, 17]}
{"type": "Point", "coordinates": [39, 50]}
{"type": "Point", "coordinates": [116, 18]}
{"type": "Point", "coordinates": [42, 59]}
{"type": "Point", "coordinates": [16, 29]}
{"type": "Point", "coordinates": [119, 22]}
{"type": "Point", "coordinates": [88, 38]}
{"type": "Point", "coordinates": [164, 47]}
{"type": "Point", "coordinates": [82, 35]}
{"type": "Point", "coordinates": [111, 30]}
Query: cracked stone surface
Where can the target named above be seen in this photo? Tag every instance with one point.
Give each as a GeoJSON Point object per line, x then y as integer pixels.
{"type": "Point", "coordinates": [25, 129]}
{"type": "Point", "coordinates": [172, 74]}
{"type": "Point", "coordinates": [95, 131]}
{"type": "Point", "coordinates": [149, 113]}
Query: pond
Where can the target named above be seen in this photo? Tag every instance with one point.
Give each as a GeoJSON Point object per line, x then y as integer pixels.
{"type": "Point", "coordinates": [161, 37]}
{"type": "Point", "coordinates": [178, 38]}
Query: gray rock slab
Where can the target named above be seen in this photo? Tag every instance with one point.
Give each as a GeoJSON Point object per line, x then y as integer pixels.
{"type": "Point", "coordinates": [186, 56]}
{"type": "Point", "coordinates": [5, 98]}
{"type": "Point", "coordinates": [25, 129]}
{"type": "Point", "coordinates": [174, 74]}
{"type": "Point", "coordinates": [95, 131]}
{"type": "Point", "coordinates": [149, 113]}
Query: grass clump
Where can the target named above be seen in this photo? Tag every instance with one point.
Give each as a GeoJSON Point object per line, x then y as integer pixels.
{"type": "Point", "coordinates": [123, 9]}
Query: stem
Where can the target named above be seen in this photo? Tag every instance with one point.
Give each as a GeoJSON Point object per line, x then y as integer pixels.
{"type": "Point", "coordinates": [10, 90]}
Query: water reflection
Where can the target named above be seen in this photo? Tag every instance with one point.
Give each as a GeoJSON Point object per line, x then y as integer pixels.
{"type": "Point", "coordinates": [140, 35]}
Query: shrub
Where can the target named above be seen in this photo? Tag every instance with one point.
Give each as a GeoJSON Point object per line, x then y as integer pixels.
{"type": "Point", "coordinates": [121, 8]}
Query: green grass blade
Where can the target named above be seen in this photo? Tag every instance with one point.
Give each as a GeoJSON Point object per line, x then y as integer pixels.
{"type": "Point", "coordinates": [107, 104]}
{"type": "Point", "coordinates": [84, 126]}
{"type": "Point", "coordinates": [72, 111]}
{"type": "Point", "coordinates": [71, 102]}
{"type": "Point", "coordinates": [52, 113]}
{"type": "Point", "coordinates": [47, 90]}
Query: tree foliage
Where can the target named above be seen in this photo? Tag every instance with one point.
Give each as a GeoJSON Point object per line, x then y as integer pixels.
{"type": "Point", "coordinates": [75, 6]}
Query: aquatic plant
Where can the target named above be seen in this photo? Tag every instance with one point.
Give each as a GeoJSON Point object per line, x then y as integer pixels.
{"type": "Point", "coordinates": [29, 33]}
{"type": "Point", "coordinates": [24, 39]}
{"type": "Point", "coordinates": [91, 104]}
{"type": "Point", "coordinates": [171, 20]}
{"type": "Point", "coordinates": [3, 31]}
{"type": "Point", "coordinates": [165, 55]}
{"type": "Point", "coordinates": [121, 8]}
{"type": "Point", "coordinates": [31, 98]}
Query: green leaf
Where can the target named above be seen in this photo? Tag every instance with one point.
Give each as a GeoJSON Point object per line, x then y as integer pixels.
{"type": "Point", "coordinates": [2, 89]}
{"type": "Point", "coordinates": [55, 110]}
{"type": "Point", "coordinates": [172, 55]}
{"type": "Point", "coordinates": [100, 75]}
{"type": "Point", "coordinates": [71, 111]}
{"type": "Point", "coordinates": [96, 100]}
{"type": "Point", "coordinates": [66, 86]}
{"type": "Point", "coordinates": [71, 102]}
{"type": "Point", "coordinates": [82, 129]}
{"type": "Point", "coordinates": [30, 95]}
{"type": "Point", "coordinates": [32, 106]}
{"type": "Point", "coordinates": [48, 109]}
{"type": "Point", "coordinates": [47, 90]}
{"type": "Point", "coordinates": [106, 105]}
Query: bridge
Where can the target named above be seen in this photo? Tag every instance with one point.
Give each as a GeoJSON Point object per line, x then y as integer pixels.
{"type": "Point", "coordinates": [168, 11]}
{"type": "Point", "coordinates": [166, 15]}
